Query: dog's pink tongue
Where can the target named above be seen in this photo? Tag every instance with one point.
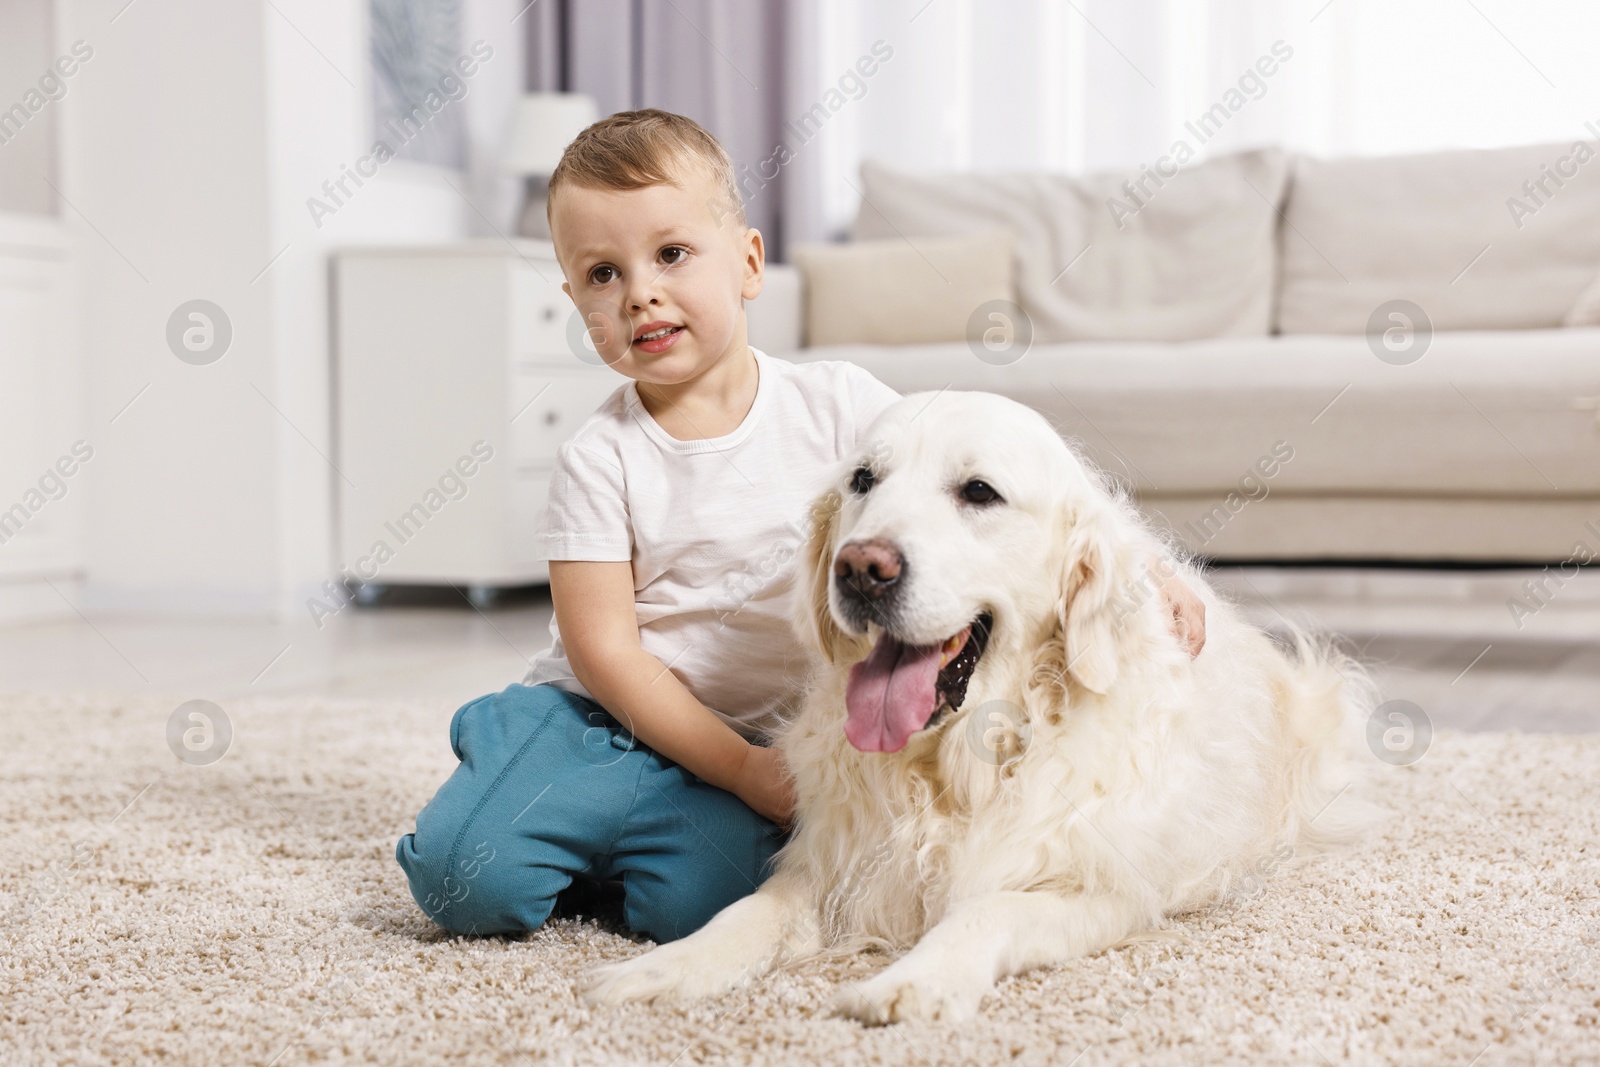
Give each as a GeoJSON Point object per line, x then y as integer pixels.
{"type": "Point", "coordinates": [890, 695]}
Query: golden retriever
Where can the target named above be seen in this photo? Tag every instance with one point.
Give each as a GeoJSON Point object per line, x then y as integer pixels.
{"type": "Point", "coordinates": [1006, 758]}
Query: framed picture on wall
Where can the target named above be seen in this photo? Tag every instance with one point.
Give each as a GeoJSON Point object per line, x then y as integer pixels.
{"type": "Point", "coordinates": [415, 44]}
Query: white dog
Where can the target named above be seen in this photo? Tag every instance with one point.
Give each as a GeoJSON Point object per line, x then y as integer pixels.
{"type": "Point", "coordinates": [1008, 760]}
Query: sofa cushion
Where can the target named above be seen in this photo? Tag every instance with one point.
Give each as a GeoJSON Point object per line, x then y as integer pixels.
{"type": "Point", "coordinates": [1484, 414]}
{"type": "Point", "coordinates": [1468, 236]}
{"type": "Point", "coordinates": [1585, 311]}
{"type": "Point", "coordinates": [1192, 257]}
{"type": "Point", "coordinates": [773, 320]}
{"type": "Point", "coordinates": [900, 292]}
{"type": "Point", "coordinates": [1426, 529]}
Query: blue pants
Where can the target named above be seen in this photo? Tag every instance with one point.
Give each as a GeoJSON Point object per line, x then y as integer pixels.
{"type": "Point", "coordinates": [551, 787]}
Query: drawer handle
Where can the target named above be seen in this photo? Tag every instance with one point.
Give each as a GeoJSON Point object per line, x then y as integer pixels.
{"type": "Point", "coordinates": [549, 313]}
{"type": "Point", "coordinates": [552, 417]}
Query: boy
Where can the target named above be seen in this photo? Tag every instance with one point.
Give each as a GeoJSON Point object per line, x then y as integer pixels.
{"type": "Point", "coordinates": [636, 749]}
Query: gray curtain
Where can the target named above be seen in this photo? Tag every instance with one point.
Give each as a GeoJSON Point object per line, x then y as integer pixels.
{"type": "Point", "coordinates": [721, 62]}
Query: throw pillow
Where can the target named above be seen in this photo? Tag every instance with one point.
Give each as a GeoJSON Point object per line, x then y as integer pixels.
{"type": "Point", "coordinates": [1479, 239]}
{"type": "Point", "coordinates": [1586, 311]}
{"type": "Point", "coordinates": [902, 291]}
{"type": "Point", "coordinates": [1174, 251]}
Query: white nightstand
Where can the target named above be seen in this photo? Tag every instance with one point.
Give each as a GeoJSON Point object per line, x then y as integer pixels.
{"type": "Point", "coordinates": [442, 350]}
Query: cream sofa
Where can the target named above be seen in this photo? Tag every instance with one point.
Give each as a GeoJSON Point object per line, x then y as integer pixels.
{"type": "Point", "coordinates": [1283, 406]}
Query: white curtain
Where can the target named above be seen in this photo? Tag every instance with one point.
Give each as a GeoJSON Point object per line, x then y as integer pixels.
{"type": "Point", "coordinates": [1083, 85]}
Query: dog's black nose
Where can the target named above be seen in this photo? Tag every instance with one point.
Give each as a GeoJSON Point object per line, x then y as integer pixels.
{"type": "Point", "coordinates": [868, 569]}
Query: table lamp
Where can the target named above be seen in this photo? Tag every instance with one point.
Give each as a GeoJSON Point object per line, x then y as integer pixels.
{"type": "Point", "coordinates": [542, 125]}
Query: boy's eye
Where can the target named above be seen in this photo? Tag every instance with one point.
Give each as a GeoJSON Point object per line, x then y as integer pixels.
{"type": "Point", "coordinates": [596, 279]}
{"type": "Point", "coordinates": [672, 255]}
{"type": "Point", "coordinates": [862, 480]}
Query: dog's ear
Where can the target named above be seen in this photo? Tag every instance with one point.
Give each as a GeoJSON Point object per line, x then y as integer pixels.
{"type": "Point", "coordinates": [813, 575]}
{"type": "Point", "coordinates": [1092, 609]}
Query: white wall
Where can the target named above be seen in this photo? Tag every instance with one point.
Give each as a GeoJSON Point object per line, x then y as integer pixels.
{"type": "Point", "coordinates": [40, 390]}
{"type": "Point", "coordinates": [165, 166]}
{"type": "Point", "coordinates": [42, 478]}
{"type": "Point", "coordinates": [191, 144]}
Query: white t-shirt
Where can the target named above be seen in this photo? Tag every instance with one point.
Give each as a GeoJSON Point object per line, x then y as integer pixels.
{"type": "Point", "coordinates": [712, 528]}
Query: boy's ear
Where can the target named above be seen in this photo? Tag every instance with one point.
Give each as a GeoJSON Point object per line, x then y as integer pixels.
{"type": "Point", "coordinates": [754, 265]}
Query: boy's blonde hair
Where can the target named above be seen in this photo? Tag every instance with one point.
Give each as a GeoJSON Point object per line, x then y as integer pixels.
{"type": "Point", "coordinates": [635, 149]}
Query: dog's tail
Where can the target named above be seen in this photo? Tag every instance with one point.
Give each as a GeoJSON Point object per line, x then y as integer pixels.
{"type": "Point", "coordinates": [1325, 698]}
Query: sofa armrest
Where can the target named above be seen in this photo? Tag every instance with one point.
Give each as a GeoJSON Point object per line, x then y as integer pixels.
{"type": "Point", "coordinates": [773, 319]}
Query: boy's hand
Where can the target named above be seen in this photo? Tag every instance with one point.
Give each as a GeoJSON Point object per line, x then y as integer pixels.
{"type": "Point", "coordinates": [1188, 613]}
{"type": "Point", "coordinates": [765, 785]}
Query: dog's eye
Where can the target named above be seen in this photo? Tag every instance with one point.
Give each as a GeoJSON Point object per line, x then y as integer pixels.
{"type": "Point", "coordinates": [862, 480]}
{"type": "Point", "coordinates": [979, 492]}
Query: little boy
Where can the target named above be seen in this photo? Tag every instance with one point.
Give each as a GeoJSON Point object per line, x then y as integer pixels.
{"type": "Point", "coordinates": [636, 749]}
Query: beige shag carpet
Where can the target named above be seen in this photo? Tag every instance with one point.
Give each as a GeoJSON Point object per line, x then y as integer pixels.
{"type": "Point", "coordinates": [251, 912]}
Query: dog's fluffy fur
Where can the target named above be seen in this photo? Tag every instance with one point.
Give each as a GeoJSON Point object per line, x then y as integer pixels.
{"type": "Point", "coordinates": [1093, 781]}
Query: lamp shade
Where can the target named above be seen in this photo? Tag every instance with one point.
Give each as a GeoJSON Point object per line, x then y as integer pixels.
{"type": "Point", "coordinates": [542, 125]}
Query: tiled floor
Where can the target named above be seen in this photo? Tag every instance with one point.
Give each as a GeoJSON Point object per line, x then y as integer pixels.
{"type": "Point", "coordinates": [1445, 640]}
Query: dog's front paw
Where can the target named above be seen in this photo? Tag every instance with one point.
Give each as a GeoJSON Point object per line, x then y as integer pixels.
{"type": "Point", "coordinates": [677, 971]}
{"type": "Point", "coordinates": [640, 979]}
{"type": "Point", "coordinates": [911, 993]}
